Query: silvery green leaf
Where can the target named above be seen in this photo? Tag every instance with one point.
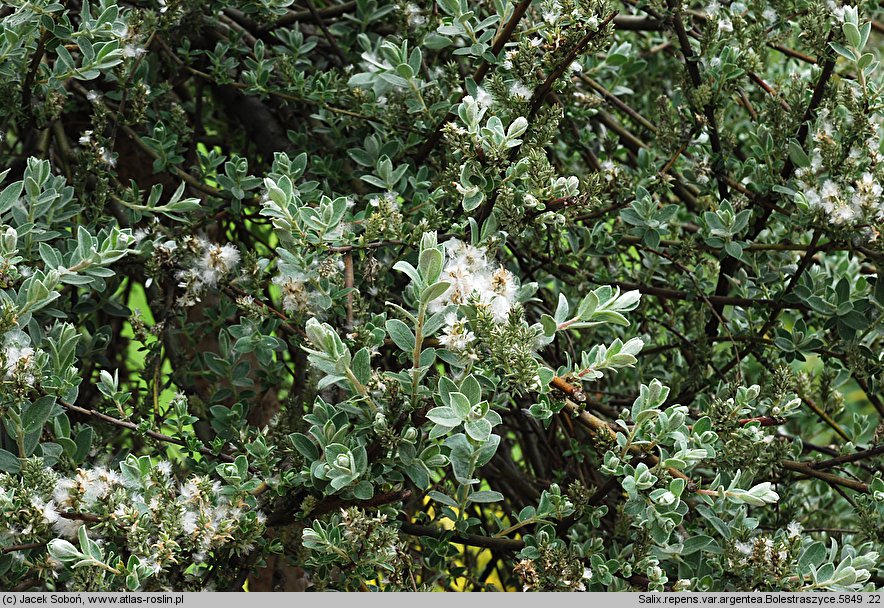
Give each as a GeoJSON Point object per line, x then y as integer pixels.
{"type": "Point", "coordinates": [401, 335]}
{"type": "Point", "coordinates": [444, 416]}
{"type": "Point", "coordinates": [485, 496]}
{"type": "Point", "coordinates": [460, 405]}
{"type": "Point", "coordinates": [479, 430]}
{"type": "Point", "coordinates": [434, 291]}
{"type": "Point", "coordinates": [63, 551]}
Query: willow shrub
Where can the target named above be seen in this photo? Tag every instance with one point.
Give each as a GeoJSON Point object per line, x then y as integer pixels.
{"type": "Point", "coordinates": [550, 295]}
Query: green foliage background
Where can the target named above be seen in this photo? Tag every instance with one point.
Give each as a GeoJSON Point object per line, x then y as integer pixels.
{"type": "Point", "coordinates": [545, 295]}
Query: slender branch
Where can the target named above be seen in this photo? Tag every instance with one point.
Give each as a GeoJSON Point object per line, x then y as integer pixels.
{"type": "Point", "coordinates": [584, 150]}
{"type": "Point", "coordinates": [692, 65]}
{"type": "Point", "coordinates": [770, 91]}
{"type": "Point", "coordinates": [810, 113]}
{"type": "Point", "coordinates": [543, 90]}
{"type": "Point", "coordinates": [539, 97]}
{"type": "Point", "coordinates": [638, 23]}
{"type": "Point", "coordinates": [235, 293]}
{"type": "Point", "coordinates": [317, 18]}
{"type": "Point", "coordinates": [825, 418]}
{"type": "Point", "coordinates": [793, 53]}
{"type": "Point", "coordinates": [674, 294]}
{"type": "Point", "coordinates": [762, 420]}
{"type": "Point", "coordinates": [730, 265]}
{"type": "Point", "coordinates": [873, 397]}
{"type": "Point", "coordinates": [134, 427]}
{"type": "Point", "coordinates": [618, 103]}
{"type": "Point", "coordinates": [75, 516]}
{"type": "Point", "coordinates": [833, 480]}
{"type": "Point", "coordinates": [473, 540]}
{"type": "Point", "coordinates": [24, 547]}
{"type": "Point", "coordinates": [597, 425]}
{"type": "Point", "coordinates": [627, 138]}
{"type": "Point", "coordinates": [280, 94]}
{"type": "Point", "coordinates": [136, 139]}
{"type": "Point", "coordinates": [848, 458]}
{"type": "Point", "coordinates": [333, 503]}
{"type": "Point", "coordinates": [28, 84]}
{"type": "Point", "coordinates": [372, 245]}
{"type": "Point", "coordinates": [688, 194]}
{"type": "Point", "coordinates": [348, 283]}
{"type": "Point", "coordinates": [307, 15]}
{"type": "Point", "coordinates": [779, 306]}
{"type": "Point", "coordinates": [802, 267]}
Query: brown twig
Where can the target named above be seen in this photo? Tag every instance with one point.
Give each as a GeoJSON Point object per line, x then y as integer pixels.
{"type": "Point", "coordinates": [134, 427]}
{"type": "Point", "coordinates": [24, 547]}
{"type": "Point", "coordinates": [235, 293]}
{"type": "Point", "coordinates": [793, 53]}
{"type": "Point", "coordinates": [75, 516]}
{"type": "Point", "coordinates": [638, 23]}
{"type": "Point", "coordinates": [848, 458]}
{"type": "Point", "coordinates": [619, 104]}
{"type": "Point", "coordinates": [762, 420]}
{"type": "Point", "coordinates": [335, 10]}
{"type": "Point", "coordinates": [371, 245]}
{"type": "Point", "coordinates": [333, 503]}
{"type": "Point", "coordinates": [317, 18]}
{"type": "Point", "coordinates": [825, 417]}
{"type": "Point", "coordinates": [770, 91]}
{"type": "Point", "coordinates": [28, 84]}
{"type": "Point", "coordinates": [348, 284]}
{"type": "Point", "coordinates": [833, 480]}
{"type": "Point", "coordinates": [473, 540]}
